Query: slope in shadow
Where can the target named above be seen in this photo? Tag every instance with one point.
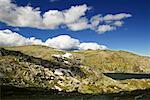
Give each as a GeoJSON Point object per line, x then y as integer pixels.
{"type": "Point", "coordinates": [52, 65]}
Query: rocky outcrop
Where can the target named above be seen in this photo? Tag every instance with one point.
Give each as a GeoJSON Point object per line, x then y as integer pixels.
{"type": "Point", "coordinates": [58, 63]}
{"type": "Point", "coordinates": [21, 70]}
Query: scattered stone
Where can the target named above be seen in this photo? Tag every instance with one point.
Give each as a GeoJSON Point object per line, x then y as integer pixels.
{"type": "Point", "coordinates": [66, 62]}
{"type": "Point", "coordinates": [52, 77]}
{"type": "Point", "coordinates": [1, 75]}
{"type": "Point", "coordinates": [67, 55]}
{"type": "Point", "coordinates": [115, 88]}
{"type": "Point", "coordinates": [57, 88]}
{"type": "Point", "coordinates": [56, 56]}
{"type": "Point", "coordinates": [58, 72]}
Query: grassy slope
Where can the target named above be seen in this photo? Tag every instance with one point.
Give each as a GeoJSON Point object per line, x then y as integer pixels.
{"type": "Point", "coordinates": [97, 61]}
{"type": "Point", "coordinates": [36, 51]}
{"type": "Point", "coordinates": [118, 61]}
{"type": "Point", "coordinates": [106, 60]}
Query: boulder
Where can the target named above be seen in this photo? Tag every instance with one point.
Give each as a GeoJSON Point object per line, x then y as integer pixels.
{"type": "Point", "coordinates": [57, 88]}
{"type": "Point", "coordinates": [1, 75]}
{"type": "Point", "coordinates": [58, 72]}
{"type": "Point", "coordinates": [67, 55]}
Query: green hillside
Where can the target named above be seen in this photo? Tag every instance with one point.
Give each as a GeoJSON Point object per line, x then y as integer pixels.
{"type": "Point", "coordinates": [37, 67]}
{"type": "Point", "coordinates": [106, 60]}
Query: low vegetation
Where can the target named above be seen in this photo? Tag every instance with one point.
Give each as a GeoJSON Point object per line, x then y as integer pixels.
{"type": "Point", "coordinates": [41, 67]}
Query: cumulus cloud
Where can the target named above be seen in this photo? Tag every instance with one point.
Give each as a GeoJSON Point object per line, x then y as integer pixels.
{"type": "Point", "coordinates": [95, 20]}
{"type": "Point", "coordinates": [53, 19]}
{"type": "Point", "coordinates": [19, 16]}
{"type": "Point", "coordinates": [118, 23]}
{"type": "Point", "coordinates": [62, 42]}
{"type": "Point", "coordinates": [73, 18]}
{"type": "Point", "coordinates": [79, 25]}
{"type": "Point", "coordinates": [105, 28]}
{"type": "Point", "coordinates": [91, 46]}
{"type": "Point", "coordinates": [27, 16]}
{"type": "Point", "coordinates": [9, 38]}
{"type": "Point", "coordinates": [111, 17]}
{"type": "Point", "coordinates": [75, 13]}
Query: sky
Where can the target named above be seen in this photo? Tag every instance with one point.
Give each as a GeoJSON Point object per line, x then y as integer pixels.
{"type": "Point", "coordinates": [77, 24]}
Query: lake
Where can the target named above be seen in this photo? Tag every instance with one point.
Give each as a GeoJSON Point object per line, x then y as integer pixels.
{"type": "Point", "coordinates": [123, 76]}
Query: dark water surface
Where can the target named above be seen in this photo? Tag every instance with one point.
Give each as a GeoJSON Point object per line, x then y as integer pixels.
{"type": "Point", "coordinates": [12, 93]}
{"type": "Point", "coordinates": [123, 76]}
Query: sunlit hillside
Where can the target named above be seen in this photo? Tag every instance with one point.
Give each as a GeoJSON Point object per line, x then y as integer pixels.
{"type": "Point", "coordinates": [105, 60]}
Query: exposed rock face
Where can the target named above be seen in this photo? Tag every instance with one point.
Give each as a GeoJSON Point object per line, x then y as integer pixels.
{"type": "Point", "coordinates": [59, 63]}
{"type": "Point", "coordinates": [26, 71]}
{"type": "Point", "coordinates": [64, 72]}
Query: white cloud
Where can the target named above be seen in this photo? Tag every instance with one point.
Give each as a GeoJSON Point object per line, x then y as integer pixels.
{"type": "Point", "coordinates": [95, 20]}
{"type": "Point", "coordinates": [118, 23]}
{"type": "Point", "coordinates": [27, 16]}
{"type": "Point", "coordinates": [110, 17]}
{"type": "Point", "coordinates": [9, 38]}
{"type": "Point", "coordinates": [91, 46]}
{"type": "Point", "coordinates": [70, 17]}
{"type": "Point", "coordinates": [73, 18]}
{"type": "Point", "coordinates": [19, 16]}
{"type": "Point", "coordinates": [53, 19]}
{"type": "Point", "coordinates": [75, 13]}
{"type": "Point", "coordinates": [105, 28]}
{"type": "Point", "coordinates": [62, 42]}
{"type": "Point", "coordinates": [79, 25]}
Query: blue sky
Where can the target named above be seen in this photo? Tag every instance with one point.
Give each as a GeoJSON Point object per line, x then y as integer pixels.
{"type": "Point", "coordinates": [133, 35]}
